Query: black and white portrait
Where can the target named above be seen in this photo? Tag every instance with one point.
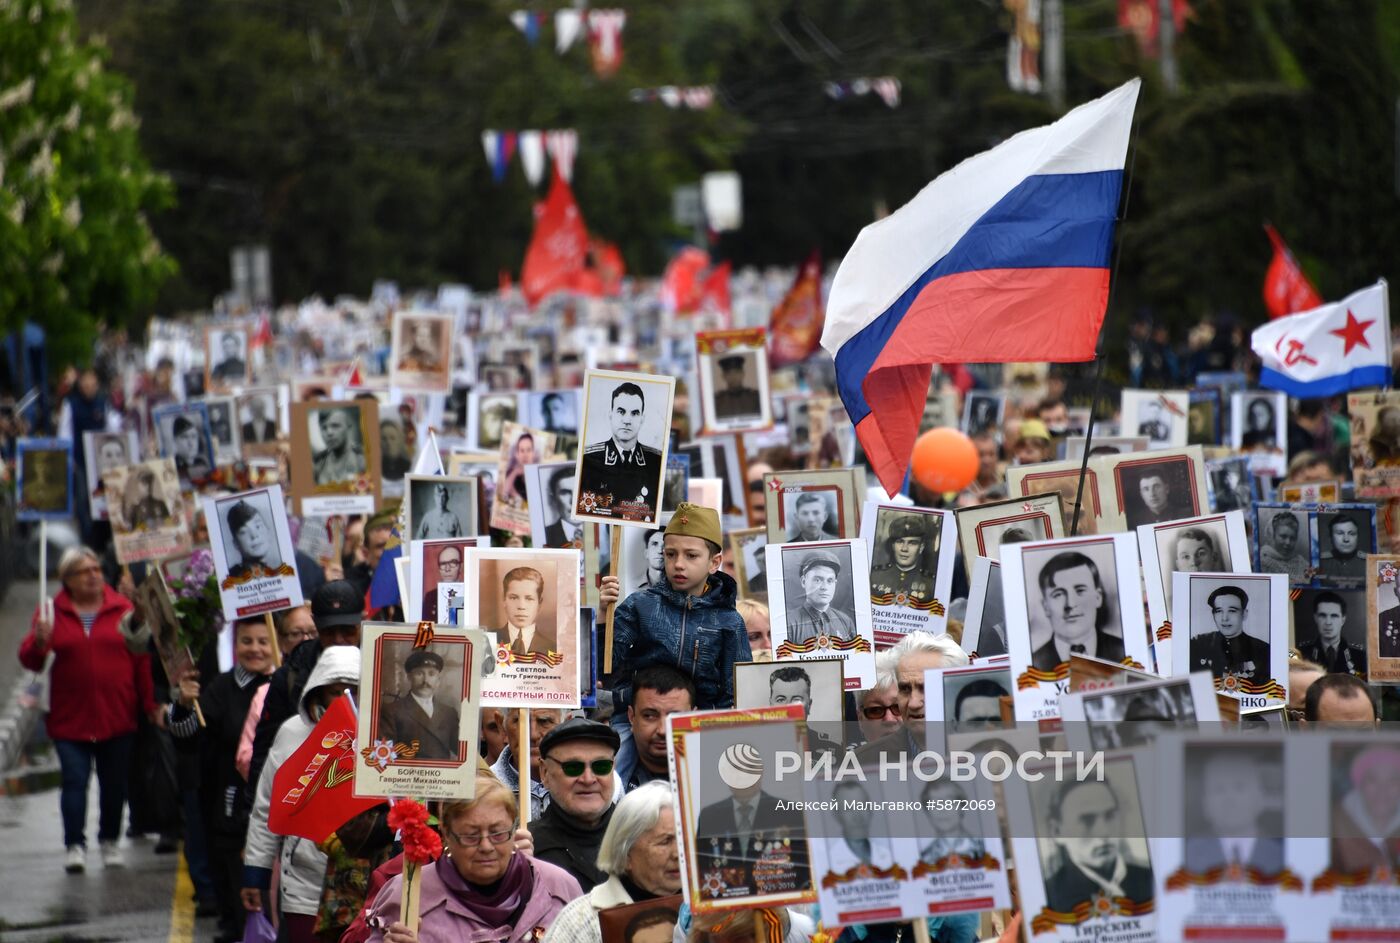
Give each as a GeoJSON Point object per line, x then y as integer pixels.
{"type": "Point", "coordinates": [1231, 484]}
{"type": "Point", "coordinates": [972, 700]}
{"type": "Point", "coordinates": [420, 697]}
{"type": "Point", "coordinates": [337, 445]}
{"type": "Point", "coordinates": [103, 452]}
{"type": "Point", "coordinates": [1259, 419]}
{"type": "Point", "coordinates": [1342, 539]}
{"type": "Point", "coordinates": [819, 591]}
{"type": "Point", "coordinates": [746, 549]}
{"type": "Point", "coordinates": [945, 825]}
{"type": "Point", "coordinates": [1230, 619]}
{"type": "Point", "coordinates": [676, 485]}
{"type": "Point", "coordinates": [553, 411]}
{"type": "Point", "coordinates": [489, 417]}
{"type": "Point", "coordinates": [254, 558]}
{"type": "Point", "coordinates": [627, 418]}
{"type": "Point", "coordinates": [226, 354]}
{"type": "Point", "coordinates": [1121, 718]}
{"type": "Point", "coordinates": [1233, 808]}
{"type": "Point", "coordinates": [816, 684]}
{"type": "Point", "coordinates": [984, 632]}
{"type": "Point", "coordinates": [737, 393]}
{"type": "Point", "coordinates": [1156, 490]}
{"type": "Point", "coordinates": [441, 506]}
{"type": "Point", "coordinates": [250, 536]}
{"type": "Point", "coordinates": [184, 436]}
{"type": "Point", "coordinates": [984, 529]}
{"type": "Point", "coordinates": [1203, 424]}
{"type": "Point", "coordinates": [1329, 628]}
{"type": "Point", "coordinates": [642, 558]}
{"type": "Point", "coordinates": [1160, 416]}
{"type": "Point", "coordinates": [550, 489]}
{"type": "Point", "coordinates": [224, 428]}
{"type": "Point", "coordinates": [394, 458]}
{"type": "Point", "coordinates": [1282, 535]}
{"type": "Point", "coordinates": [258, 417]}
{"type": "Point", "coordinates": [811, 515]}
{"type": "Point", "coordinates": [148, 500]}
{"type": "Point", "coordinates": [1071, 594]}
{"type": "Point", "coordinates": [982, 413]}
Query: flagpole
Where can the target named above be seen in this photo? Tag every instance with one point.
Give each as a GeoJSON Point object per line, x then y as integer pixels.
{"type": "Point", "coordinates": [1098, 347]}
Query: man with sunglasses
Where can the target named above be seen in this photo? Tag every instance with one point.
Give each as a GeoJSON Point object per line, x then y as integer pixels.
{"type": "Point", "coordinates": [576, 766]}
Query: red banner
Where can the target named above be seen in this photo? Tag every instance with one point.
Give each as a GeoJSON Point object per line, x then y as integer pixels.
{"type": "Point", "coordinates": [313, 793]}
{"type": "Point", "coordinates": [796, 324]}
{"type": "Point", "coordinates": [1286, 289]}
{"type": "Point", "coordinates": [559, 248]}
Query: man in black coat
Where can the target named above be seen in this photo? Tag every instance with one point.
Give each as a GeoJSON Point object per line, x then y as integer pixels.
{"type": "Point", "coordinates": [1086, 823]}
{"type": "Point", "coordinates": [1229, 649]}
{"type": "Point", "coordinates": [576, 766]}
{"type": "Point", "coordinates": [421, 716]}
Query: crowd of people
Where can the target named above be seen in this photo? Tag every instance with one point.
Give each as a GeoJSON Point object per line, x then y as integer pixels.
{"type": "Point", "coordinates": [191, 758]}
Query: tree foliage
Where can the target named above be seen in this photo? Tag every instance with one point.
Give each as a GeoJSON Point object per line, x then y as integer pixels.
{"type": "Point", "coordinates": [75, 247]}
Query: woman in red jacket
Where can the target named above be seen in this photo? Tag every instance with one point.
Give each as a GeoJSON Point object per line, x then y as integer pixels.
{"type": "Point", "coordinates": [97, 688]}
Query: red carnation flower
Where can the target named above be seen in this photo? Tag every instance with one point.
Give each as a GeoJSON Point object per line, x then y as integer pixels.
{"type": "Point", "coordinates": [406, 815]}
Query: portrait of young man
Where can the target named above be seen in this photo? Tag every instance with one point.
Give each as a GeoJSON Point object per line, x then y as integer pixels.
{"type": "Point", "coordinates": [734, 398]}
{"type": "Point", "coordinates": [1072, 596]}
{"type": "Point", "coordinates": [1320, 616]}
{"type": "Point", "coordinates": [809, 515]}
{"type": "Point", "coordinates": [1234, 815]}
{"type": "Point", "coordinates": [907, 564]}
{"type": "Point", "coordinates": [341, 457]}
{"type": "Point", "coordinates": [522, 598]}
{"type": "Point", "coordinates": [1344, 538]}
{"type": "Point", "coordinates": [229, 366]}
{"type": "Point", "coordinates": [1225, 647]}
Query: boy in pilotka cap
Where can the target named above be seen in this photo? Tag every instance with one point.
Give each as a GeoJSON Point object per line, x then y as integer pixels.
{"type": "Point", "coordinates": [687, 620]}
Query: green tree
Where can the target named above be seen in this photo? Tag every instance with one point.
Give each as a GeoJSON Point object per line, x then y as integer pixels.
{"type": "Point", "coordinates": [75, 246]}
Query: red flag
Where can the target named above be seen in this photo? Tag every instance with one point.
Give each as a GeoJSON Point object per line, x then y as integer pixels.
{"type": "Point", "coordinates": [714, 290]}
{"type": "Point", "coordinates": [1143, 18]}
{"type": "Point", "coordinates": [608, 262]}
{"type": "Point", "coordinates": [559, 248]}
{"type": "Point", "coordinates": [681, 288]}
{"type": "Point", "coordinates": [313, 793]}
{"type": "Point", "coordinates": [1286, 289]}
{"type": "Point", "coordinates": [796, 324]}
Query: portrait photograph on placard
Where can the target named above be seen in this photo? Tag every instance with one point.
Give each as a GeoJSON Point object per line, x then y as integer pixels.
{"type": "Point", "coordinates": [911, 568]}
{"type": "Point", "coordinates": [441, 506]}
{"type": "Point", "coordinates": [966, 699]}
{"type": "Point", "coordinates": [733, 376]}
{"type": "Point", "coordinates": [226, 360]}
{"type": "Point", "coordinates": [817, 684]}
{"type": "Point", "coordinates": [675, 485]}
{"type": "Point", "coordinates": [1205, 417]}
{"type": "Point", "coordinates": [1235, 626]}
{"type": "Point", "coordinates": [224, 429]}
{"type": "Point", "coordinates": [1077, 595]}
{"type": "Point", "coordinates": [984, 628]}
{"type": "Point", "coordinates": [549, 489]}
{"type": "Point", "coordinates": [982, 413]}
{"type": "Point", "coordinates": [807, 506]}
{"type": "Point", "coordinates": [1132, 715]}
{"type": "Point", "coordinates": [102, 452]}
{"type": "Point", "coordinates": [624, 443]}
{"type": "Point", "coordinates": [421, 357]}
{"type": "Point", "coordinates": [1159, 415]}
{"type": "Point", "coordinates": [254, 558]}
{"type": "Point", "coordinates": [1061, 478]}
{"type": "Point", "coordinates": [553, 411]}
{"type": "Point", "coordinates": [962, 862]}
{"type": "Point", "coordinates": [395, 460]}
{"type": "Point", "coordinates": [1283, 542]}
{"type": "Point", "coordinates": [521, 447]}
{"type": "Point", "coordinates": [1375, 443]}
{"type": "Point", "coordinates": [1152, 487]}
{"type": "Point", "coordinates": [820, 607]}
{"type": "Point", "coordinates": [147, 510]}
{"type": "Point", "coordinates": [259, 421]}
{"type": "Point", "coordinates": [1232, 486]}
{"type": "Point", "coordinates": [1342, 536]}
{"type": "Point", "coordinates": [431, 563]}
{"type": "Point", "coordinates": [335, 445]}
{"type": "Point", "coordinates": [1103, 445]}
{"type": "Point", "coordinates": [1383, 619]}
{"type": "Point", "coordinates": [43, 479]}
{"type": "Point", "coordinates": [721, 862]}
{"type": "Point", "coordinates": [642, 557]}
{"type": "Point", "coordinates": [856, 849]}
{"type": "Point", "coordinates": [1259, 429]}
{"type": "Point", "coordinates": [1330, 628]}
{"type": "Point", "coordinates": [487, 415]}
{"type": "Point", "coordinates": [420, 704]}
{"type": "Point", "coordinates": [647, 921]}
{"type": "Point", "coordinates": [528, 603]}
{"type": "Point", "coordinates": [984, 528]}
{"type": "Point", "coordinates": [182, 430]}
{"type": "Point", "coordinates": [746, 553]}
{"type": "Point", "coordinates": [153, 597]}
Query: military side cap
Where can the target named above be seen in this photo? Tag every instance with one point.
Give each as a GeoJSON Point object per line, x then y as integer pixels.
{"type": "Point", "coordinates": [908, 526]}
{"type": "Point", "coordinates": [579, 728]}
{"type": "Point", "coordinates": [819, 559]}
{"type": "Point", "coordinates": [734, 362]}
{"type": "Point", "coordinates": [421, 657]}
{"type": "Point", "coordinates": [695, 520]}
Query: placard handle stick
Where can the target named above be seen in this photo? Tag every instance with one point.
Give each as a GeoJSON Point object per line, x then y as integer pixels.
{"type": "Point", "coordinates": [921, 930]}
{"type": "Point", "coordinates": [522, 762]}
{"type": "Point", "coordinates": [43, 565]}
{"type": "Point", "coordinates": [272, 640]}
{"type": "Point", "coordinates": [612, 610]}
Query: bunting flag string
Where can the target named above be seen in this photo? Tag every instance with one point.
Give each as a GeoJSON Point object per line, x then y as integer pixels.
{"type": "Point", "coordinates": [605, 38]}
{"type": "Point", "coordinates": [694, 97]}
{"type": "Point", "coordinates": [567, 25]}
{"type": "Point", "coordinates": [529, 22]}
{"type": "Point", "coordinates": [532, 155]}
{"type": "Point", "coordinates": [500, 147]}
{"type": "Point", "coordinates": [885, 86]}
{"type": "Point", "coordinates": [560, 144]}
{"type": "Point", "coordinates": [563, 147]}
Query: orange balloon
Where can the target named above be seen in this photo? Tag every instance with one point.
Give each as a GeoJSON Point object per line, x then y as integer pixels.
{"type": "Point", "coordinates": [945, 460]}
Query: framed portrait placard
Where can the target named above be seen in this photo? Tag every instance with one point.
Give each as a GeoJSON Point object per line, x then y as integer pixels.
{"type": "Point", "coordinates": [817, 684]}
{"type": "Point", "coordinates": [1128, 716]}
{"type": "Point", "coordinates": [335, 447]}
{"type": "Point", "coordinates": [43, 479]}
{"type": "Point", "coordinates": [733, 377]}
{"type": "Point", "coordinates": [147, 511]}
{"type": "Point", "coordinates": [224, 428]}
{"type": "Point", "coordinates": [1078, 595]}
{"type": "Point", "coordinates": [983, 528]}
{"type": "Point", "coordinates": [102, 452]}
{"type": "Point", "coordinates": [1103, 445]}
{"type": "Point", "coordinates": [746, 548]}
{"type": "Point", "coordinates": [487, 414]}
{"type": "Point", "coordinates": [1383, 619]}
{"type": "Point", "coordinates": [806, 506]}
{"type": "Point", "coordinates": [254, 558]}
{"type": "Point", "coordinates": [1151, 487]}
{"type": "Point", "coordinates": [441, 506]}
{"type": "Point", "coordinates": [1283, 542]}
{"type": "Point", "coordinates": [1232, 485]}
{"type": "Point", "coordinates": [226, 361]}
{"type": "Point", "coordinates": [528, 603]}
{"type": "Point", "coordinates": [1215, 543]}
{"type": "Point", "coordinates": [549, 489]}
{"type": "Point", "coordinates": [982, 413]}
{"type": "Point", "coordinates": [1235, 626]}
{"type": "Point", "coordinates": [1375, 443]}
{"type": "Point", "coordinates": [1205, 417]}
{"type": "Point", "coordinates": [984, 630]}
{"type": "Point", "coordinates": [911, 568]}
{"type": "Point", "coordinates": [820, 607]}
{"type": "Point", "coordinates": [640, 922]}
{"type": "Point", "coordinates": [182, 429]}
{"type": "Point", "coordinates": [1342, 537]}
{"type": "Point", "coordinates": [964, 699]}
{"type": "Point", "coordinates": [521, 447]}
{"type": "Point", "coordinates": [420, 705]}
{"type": "Point", "coordinates": [430, 564]}
{"type": "Point", "coordinates": [717, 761]}
{"type": "Point", "coordinates": [421, 357]}
{"type": "Point", "coordinates": [1311, 492]}
{"type": "Point", "coordinates": [1061, 478]}
{"type": "Point", "coordinates": [262, 420]}
{"type": "Point", "coordinates": [641, 559]}
{"type": "Point", "coordinates": [1330, 628]}
{"type": "Point", "coordinates": [554, 411]}
{"type": "Point", "coordinates": [625, 440]}
{"type": "Point", "coordinates": [1259, 429]}
{"type": "Point", "coordinates": [1160, 415]}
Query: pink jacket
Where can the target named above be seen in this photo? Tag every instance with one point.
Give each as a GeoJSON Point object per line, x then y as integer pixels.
{"type": "Point", "coordinates": [444, 920]}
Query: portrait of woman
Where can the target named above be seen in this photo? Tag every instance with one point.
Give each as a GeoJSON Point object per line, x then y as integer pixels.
{"type": "Point", "coordinates": [513, 487]}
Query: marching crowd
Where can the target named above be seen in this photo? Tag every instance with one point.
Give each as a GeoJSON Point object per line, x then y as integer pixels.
{"type": "Point", "coordinates": [190, 759]}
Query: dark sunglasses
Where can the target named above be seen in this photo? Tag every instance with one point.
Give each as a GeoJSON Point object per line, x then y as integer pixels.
{"type": "Point", "coordinates": [878, 711]}
{"type": "Point", "coordinates": [574, 768]}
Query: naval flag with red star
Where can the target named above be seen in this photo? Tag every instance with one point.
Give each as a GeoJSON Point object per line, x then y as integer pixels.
{"type": "Point", "coordinates": [1330, 349]}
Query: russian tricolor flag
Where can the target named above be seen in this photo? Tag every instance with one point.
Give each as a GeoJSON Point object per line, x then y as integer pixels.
{"type": "Point", "coordinates": [1004, 258]}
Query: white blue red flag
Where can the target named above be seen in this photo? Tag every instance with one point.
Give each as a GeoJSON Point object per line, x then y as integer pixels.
{"type": "Point", "coordinates": [1328, 350]}
{"type": "Point", "coordinates": [1004, 258]}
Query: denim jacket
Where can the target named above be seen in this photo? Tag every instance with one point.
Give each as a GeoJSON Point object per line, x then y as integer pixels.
{"type": "Point", "coordinates": [701, 635]}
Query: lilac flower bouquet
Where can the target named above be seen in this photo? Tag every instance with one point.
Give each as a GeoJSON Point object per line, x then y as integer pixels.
{"type": "Point", "coordinates": [195, 592]}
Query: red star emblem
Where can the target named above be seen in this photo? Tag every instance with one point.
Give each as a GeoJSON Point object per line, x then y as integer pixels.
{"type": "Point", "coordinates": [775, 485]}
{"type": "Point", "coordinates": [1354, 334]}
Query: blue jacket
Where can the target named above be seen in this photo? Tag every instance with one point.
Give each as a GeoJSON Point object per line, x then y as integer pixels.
{"type": "Point", "coordinates": [701, 635]}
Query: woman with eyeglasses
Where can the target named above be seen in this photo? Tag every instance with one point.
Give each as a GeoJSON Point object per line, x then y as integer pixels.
{"type": "Point", "coordinates": [483, 887]}
{"type": "Point", "coordinates": [100, 689]}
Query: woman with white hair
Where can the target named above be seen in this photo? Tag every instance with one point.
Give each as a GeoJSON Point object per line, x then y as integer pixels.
{"type": "Point", "coordinates": [640, 858]}
{"type": "Point", "coordinates": [100, 688]}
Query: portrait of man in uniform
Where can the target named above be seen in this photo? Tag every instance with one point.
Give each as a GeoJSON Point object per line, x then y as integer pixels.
{"type": "Point", "coordinates": [1388, 620]}
{"type": "Point", "coordinates": [1320, 618]}
{"type": "Point", "coordinates": [422, 347]}
{"type": "Point", "coordinates": [423, 715]}
{"type": "Point", "coordinates": [226, 356]}
{"type": "Point", "coordinates": [250, 541]}
{"type": "Point", "coordinates": [341, 457]}
{"type": "Point", "coordinates": [620, 476]}
{"type": "Point", "coordinates": [1225, 647]}
{"type": "Point", "coordinates": [734, 397]}
{"type": "Point", "coordinates": [946, 827]}
{"type": "Point", "coordinates": [732, 834]}
{"type": "Point", "coordinates": [260, 426]}
{"type": "Point", "coordinates": [1234, 816]}
{"type": "Point", "coordinates": [1154, 422]}
{"type": "Point", "coordinates": [1072, 595]}
{"type": "Point", "coordinates": [1343, 538]}
{"type": "Point", "coordinates": [906, 564]}
{"type": "Point", "coordinates": [812, 613]}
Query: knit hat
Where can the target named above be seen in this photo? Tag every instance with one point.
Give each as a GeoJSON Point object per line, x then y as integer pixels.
{"type": "Point", "coordinates": [694, 520]}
